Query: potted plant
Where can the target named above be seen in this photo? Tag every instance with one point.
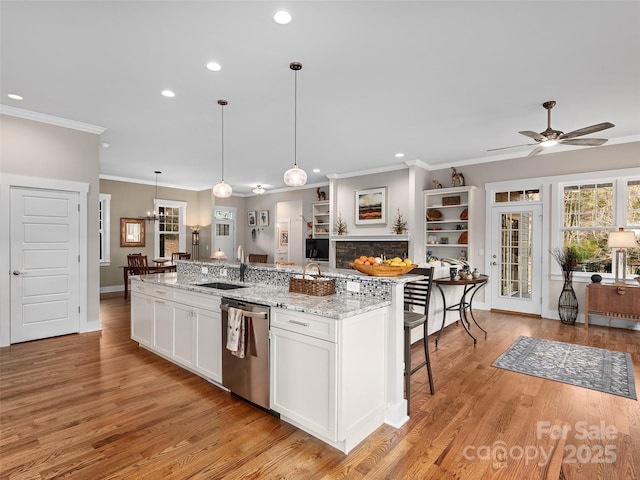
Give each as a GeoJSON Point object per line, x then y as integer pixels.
{"type": "Point", "coordinates": [399, 225]}
{"type": "Point", "coordinates": [567, 258]}
{"type": "Point", "coordinates": [340, 227]}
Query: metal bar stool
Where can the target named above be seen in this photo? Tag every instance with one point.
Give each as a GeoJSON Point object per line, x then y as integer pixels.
{"type": "Point", "coordinates": [417, 295]}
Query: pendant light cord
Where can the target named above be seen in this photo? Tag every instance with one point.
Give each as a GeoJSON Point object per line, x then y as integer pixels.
{"type": "Point", "coordinates": [295, 119]}
{"type": "Point", "coordinates": [222, 145]}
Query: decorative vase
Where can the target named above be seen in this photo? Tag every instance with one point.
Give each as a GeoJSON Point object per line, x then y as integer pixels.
{"type": "Point", "coordinates": [568, 302]}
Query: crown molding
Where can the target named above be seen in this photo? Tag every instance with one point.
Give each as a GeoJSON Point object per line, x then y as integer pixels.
{"type": "Point", "coordinates": [50, 119]}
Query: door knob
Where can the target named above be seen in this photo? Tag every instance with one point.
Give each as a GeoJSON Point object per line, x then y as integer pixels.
{"type": "Point", "coordinates": [17, 272]}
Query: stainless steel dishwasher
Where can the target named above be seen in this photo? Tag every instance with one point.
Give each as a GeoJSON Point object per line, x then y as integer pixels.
{"type": "Point", "coordinates": [248, 377]}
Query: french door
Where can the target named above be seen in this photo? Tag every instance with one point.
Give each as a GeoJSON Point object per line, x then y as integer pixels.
{"type": "Point", "coordinates": [516, 258]}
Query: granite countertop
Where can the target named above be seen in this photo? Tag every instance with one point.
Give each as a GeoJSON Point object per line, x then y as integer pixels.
{"type": "Point", "coordinates": [336, 306]}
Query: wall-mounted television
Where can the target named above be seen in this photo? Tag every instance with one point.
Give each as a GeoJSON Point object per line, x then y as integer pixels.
{"type": "Point", "coordinates": [317, 249]}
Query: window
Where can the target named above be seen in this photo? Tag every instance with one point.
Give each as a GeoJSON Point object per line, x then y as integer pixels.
{"type": "Point", "coordinates": [170, 229]}
{"type": "Point", "coordinates": [592, 209]}
{"type": "Point", "coordinates": [104, 221]}
{"type": "Point", "coordinates": [531, 195]}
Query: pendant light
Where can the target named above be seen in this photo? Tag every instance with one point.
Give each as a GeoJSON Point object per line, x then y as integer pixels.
{"type": "Point", "coordinates": [222, 189]}
{"type": "Point", "coordinates": [152, 216]}
{"type": "Point", "coordinates": [259, 190]}
{"type": "Point", "coordinates": [295, 176]}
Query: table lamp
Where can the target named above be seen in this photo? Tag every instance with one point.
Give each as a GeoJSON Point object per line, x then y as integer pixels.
{"type": "Point", "coordinates": [621, 240]}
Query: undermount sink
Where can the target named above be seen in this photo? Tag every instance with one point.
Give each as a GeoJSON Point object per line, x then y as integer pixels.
{"type": "Point", "coordinates": [221, 285]}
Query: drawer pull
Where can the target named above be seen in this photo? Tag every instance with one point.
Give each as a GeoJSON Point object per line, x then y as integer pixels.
{"type": "Point", "coordinates": [298, 322]}
{"type": "Point", "coordinates": [161, 292]}
{"type": "Point", "coordinates": [160, 301]}
{"type": "Point", "coordinates": [622, 290]}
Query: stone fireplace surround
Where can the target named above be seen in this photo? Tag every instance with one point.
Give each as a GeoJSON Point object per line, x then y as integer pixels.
{"type": "Point", "coordinates": [348, 251]}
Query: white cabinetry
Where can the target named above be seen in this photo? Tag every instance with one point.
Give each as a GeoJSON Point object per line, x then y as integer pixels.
{"type": "Point", "coordinates": [327, 374]}
{"type": "Point", "coordinates": [449, 222]}
{"type": "Point", "coordinates": [141, 313]}
{"type": "Point", "coordinates": [321, 225]}
{"type": "Point", "coordinates": [182, 326]}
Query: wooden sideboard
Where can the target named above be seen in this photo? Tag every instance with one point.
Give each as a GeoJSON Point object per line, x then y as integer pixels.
{"type": "Point", "coordinates": [613, 301]}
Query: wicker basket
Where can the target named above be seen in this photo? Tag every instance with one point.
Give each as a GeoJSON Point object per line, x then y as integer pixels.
{"type": "Point", "coordinates": [451, 200]}
{"type": "Point", "coordinates": [317, 286]}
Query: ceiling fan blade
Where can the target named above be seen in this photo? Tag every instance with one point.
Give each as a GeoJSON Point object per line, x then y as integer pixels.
{"type": "Point", "coordinates": [535, 135]}
{"type": "Point", "coordinates": [586, 130]}
{"type": "Point", "coordinates": [590, 142]}
{"type": "Point", "coordinates": [536, 151]}
{"type": "Point", "coordinates": [512, 146]}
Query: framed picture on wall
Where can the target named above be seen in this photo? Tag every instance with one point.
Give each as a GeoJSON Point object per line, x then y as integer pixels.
{"type": "Point", "coordinates": [284, 238]}
{"type": "Point", "coordinates": [371, 206]}
{"type": "Point", "coordinates": [263, 218]}
{"type": "Point", "coordinates": [131, 232]}
{"type": "Point", "coordinates": [251, 219]}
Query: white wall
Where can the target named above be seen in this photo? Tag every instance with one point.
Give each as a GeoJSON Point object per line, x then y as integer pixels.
{"type": "Point", "coordinates": [39, 150]}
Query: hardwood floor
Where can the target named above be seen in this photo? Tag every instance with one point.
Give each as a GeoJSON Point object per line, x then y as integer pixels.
{"type": "Point", "coordinates": [96, 406]}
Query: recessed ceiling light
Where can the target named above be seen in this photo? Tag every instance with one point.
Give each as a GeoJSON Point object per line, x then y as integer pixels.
{"type": "Point", "coordinates": [399, 155]}
{"type": "Point", "coordinates": [214, 66]}
{"type": "Point", "coordinates": [316, 170]}
{"type": "Point", "coordinates": [13, 96]}
{"type": "Point", "coordinates": [282, 17]}
{"type": "Point", "coordinates": [168, 93]}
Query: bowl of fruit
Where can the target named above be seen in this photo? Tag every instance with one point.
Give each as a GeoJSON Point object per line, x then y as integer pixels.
{"type": "Point", "coordinates": [379, 267]}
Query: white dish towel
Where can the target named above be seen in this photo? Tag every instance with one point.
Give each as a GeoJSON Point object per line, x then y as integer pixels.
{"type": "Point", "coordinates": [235, 332]}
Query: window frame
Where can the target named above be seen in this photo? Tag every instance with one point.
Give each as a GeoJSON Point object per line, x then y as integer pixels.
{"type": "Point", "coordinates": [182, 219]}
{"type": "Point", "coordinates": [619, 179]}
{"type": "Point", "coordinates": [104, 228]}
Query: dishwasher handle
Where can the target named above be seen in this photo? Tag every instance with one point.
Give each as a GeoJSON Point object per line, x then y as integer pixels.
{"type": "Point", "coordinates": [245, 313]}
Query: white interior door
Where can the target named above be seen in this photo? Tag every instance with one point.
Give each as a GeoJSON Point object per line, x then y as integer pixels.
{"type": "Point", "coordinates": [45, 257]}
{"type": "Point", "coordinates": [516, 258]}
{"type": "Point", "coordinates": [225, 231]}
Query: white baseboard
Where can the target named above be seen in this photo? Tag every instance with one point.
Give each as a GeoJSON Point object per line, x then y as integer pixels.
{"type": "Point", "coordinates": [112, 288]}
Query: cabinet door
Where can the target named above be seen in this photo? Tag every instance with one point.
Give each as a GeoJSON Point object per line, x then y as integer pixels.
{"type": "Point", "coordinates": [184, 334]}
{"type": "Point", "coordinates": [209, 344]}
{"type": "Point", "coordinates": [163, 326]}
{"type": "Point", "coordinates": [303, 381]}
{"type": "Point", "coordinates": [141, 318]}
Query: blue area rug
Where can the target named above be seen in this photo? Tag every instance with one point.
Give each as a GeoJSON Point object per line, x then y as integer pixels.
{"type": "Point", "coordinates": [588, 367]}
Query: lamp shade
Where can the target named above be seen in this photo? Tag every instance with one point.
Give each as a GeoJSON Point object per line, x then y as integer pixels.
{"type": "Point", "coordinates": [622, 239]}
{"type": "Point", "coordinates": [219, 255]}
{"type": "Point", "coordinates": [295, 177]}
{"type": "Point", "coordinates": [222, 190]}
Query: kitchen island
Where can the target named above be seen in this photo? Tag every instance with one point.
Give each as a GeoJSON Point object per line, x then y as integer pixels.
{"type": "Point", "coordinates": [336, 361]}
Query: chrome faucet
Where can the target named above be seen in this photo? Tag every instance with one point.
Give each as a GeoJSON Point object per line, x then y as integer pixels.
{"type": "Point", "coordinates": [243, 266]}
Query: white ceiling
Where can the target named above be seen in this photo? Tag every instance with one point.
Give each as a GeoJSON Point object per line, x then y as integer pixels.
{"type": "Point", "coordinates": [441, 82]}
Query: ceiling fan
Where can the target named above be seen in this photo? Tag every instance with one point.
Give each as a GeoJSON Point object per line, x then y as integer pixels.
{"type": "Point", "coordinates": [551, 137]}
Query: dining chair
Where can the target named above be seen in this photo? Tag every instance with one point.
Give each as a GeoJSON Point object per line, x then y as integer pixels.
{"type": "Point", "coordinates": [257, 258]}
{"type": "Point", "coordinates": [138, 264]}
{"type": "Point", "coordinates": [180, 256]}
{"type": "Point", "coordinates": [416, 312]}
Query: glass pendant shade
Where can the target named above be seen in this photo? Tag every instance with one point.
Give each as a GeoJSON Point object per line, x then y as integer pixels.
{"type": "Point", "coordinates": [295, 177]}
{"type": "Point", "coordinates": [222, 190]}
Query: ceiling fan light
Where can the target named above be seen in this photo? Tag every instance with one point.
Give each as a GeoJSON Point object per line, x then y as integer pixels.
{"type": "Point", "coordinates": [295, 177]}
{"type": "Point", "coordinates": [222, 190]}
{"type": "Point", "coordinates": [549, 143]}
